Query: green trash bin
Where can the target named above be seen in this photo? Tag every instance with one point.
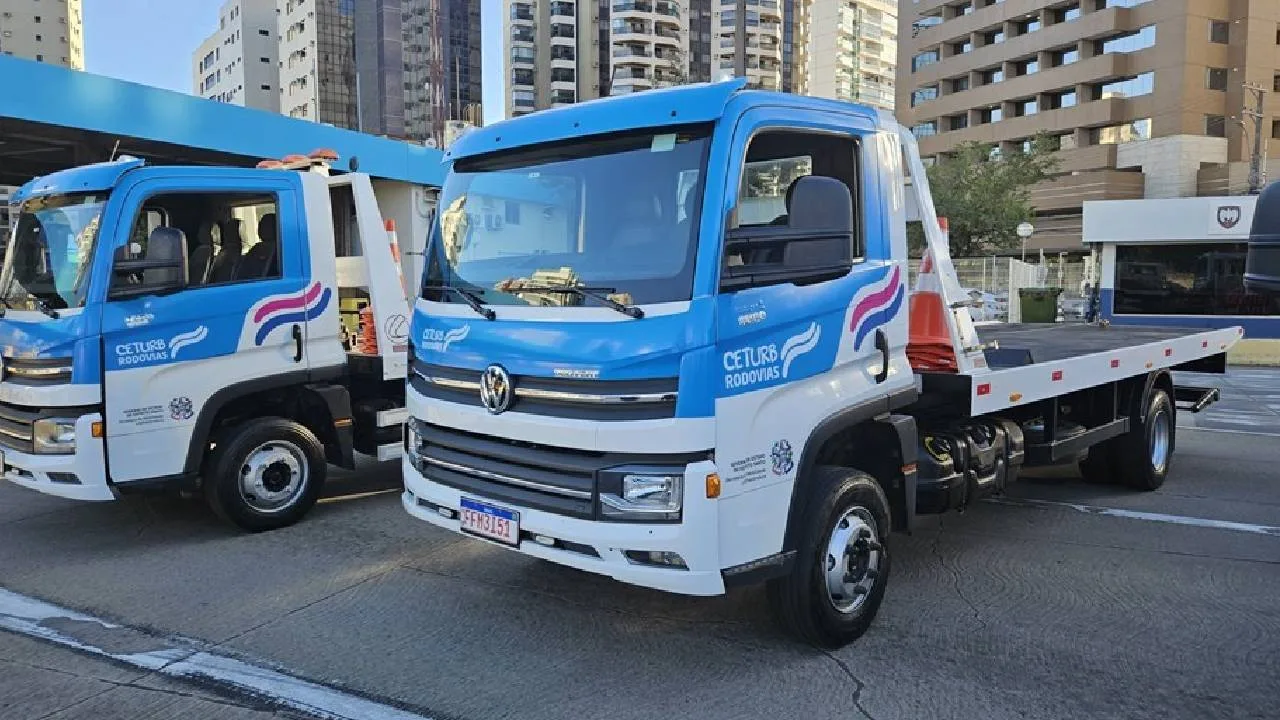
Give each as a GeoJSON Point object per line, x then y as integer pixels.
{"type": "Point", "coordinates": [1039, 304]}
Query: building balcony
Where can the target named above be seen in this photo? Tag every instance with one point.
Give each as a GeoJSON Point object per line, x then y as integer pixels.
{"type": "Point", "coordinates": [624, 51]}
{"type": "Point", "coordinates": [563, 11]}
{"type": "Point", "coordinates": [563, 40]}
{"type": "Point", "coordinates": [1068, 192]}
{"type": "Point", "coordinates": [666, 37]}
{"type": "Point", "coordinates": [667, 9]}
{"type": "Point", "coordinates": [1089, 26]}
{"type": "Point", "coordinates": [1110, 111]}
{"type": "Point", "coordinates": [557, 62]}
{"type": "Point", "coordinates": [634, 83]}
{"type": "Point", "coordinates": [1064, 77]}
{"type": "Point", "coordinates": [632, 8]}
{"type": "Point", "coordinates": [638, 32]}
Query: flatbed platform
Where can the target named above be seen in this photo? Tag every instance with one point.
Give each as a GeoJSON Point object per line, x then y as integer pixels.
{"type": "Point", "coordinates": [1062, 341]}
{"type": "Point", "coordinates": [1038, 362]}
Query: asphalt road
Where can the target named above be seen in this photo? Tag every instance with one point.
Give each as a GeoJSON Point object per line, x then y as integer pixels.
{"type": "Point", "coordinates": [1063, 600]}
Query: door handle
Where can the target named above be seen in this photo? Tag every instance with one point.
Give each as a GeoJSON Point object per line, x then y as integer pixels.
{"type": "Point", "coordinates": [882, 344]}
{"type": "Point", "coordinates": [297, 343]}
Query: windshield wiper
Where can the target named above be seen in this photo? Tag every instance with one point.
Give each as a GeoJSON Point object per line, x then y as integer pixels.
{"type": "Point", "coordinates": [43, 307]}
{"type": "Point", "coordinates": [597, 294]}
{"type": "Point", "coordinates": [475, 303]}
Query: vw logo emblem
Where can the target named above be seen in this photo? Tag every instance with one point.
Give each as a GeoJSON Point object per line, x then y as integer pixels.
{"type": "Point", "coordinates": [495, 389]}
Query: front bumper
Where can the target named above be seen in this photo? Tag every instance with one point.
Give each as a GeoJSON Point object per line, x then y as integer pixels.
{"type": "Point", "coordinates": [600, 546]}
{"type": "Point", "coordinates": [81, 475]}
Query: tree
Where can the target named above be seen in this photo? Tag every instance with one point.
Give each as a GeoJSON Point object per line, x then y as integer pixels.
{"type": "Point", "coordinates": [985, 195]}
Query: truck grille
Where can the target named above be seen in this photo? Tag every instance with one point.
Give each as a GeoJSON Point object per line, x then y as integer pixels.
{"type": "Point", "coordinates": [554, 479]}
{"type": "Point", "coordinates": [605, 400]}
{"type": "Point", "coordinates": [37, 371]}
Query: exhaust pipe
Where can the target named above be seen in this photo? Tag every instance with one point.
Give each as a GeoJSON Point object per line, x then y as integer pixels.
{"type": "Point", "coordinates": [1262, 266]}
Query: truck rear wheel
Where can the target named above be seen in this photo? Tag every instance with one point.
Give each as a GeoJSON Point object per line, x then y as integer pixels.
{"type": "Point", "coordinates": [1143, 454]}
{"type": "Point", "coordinates": [842, 562]}
{"type": "Point", "coordinates": [265, 474]}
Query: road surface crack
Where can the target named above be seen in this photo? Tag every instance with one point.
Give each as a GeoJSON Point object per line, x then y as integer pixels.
{"type": "Point", "coordinates": [858, 685]}
{"type": "Point", "coordinates": [955, 576]}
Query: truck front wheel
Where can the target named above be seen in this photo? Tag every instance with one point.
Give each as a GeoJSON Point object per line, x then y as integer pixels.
{"type": "Point", "coordinates": [265, 474]}
{"type": "Point", "coordinates": [841, 568]}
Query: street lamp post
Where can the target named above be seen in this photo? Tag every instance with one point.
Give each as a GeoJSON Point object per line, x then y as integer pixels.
{"type": "Point", "coordinates": [1024, 231]}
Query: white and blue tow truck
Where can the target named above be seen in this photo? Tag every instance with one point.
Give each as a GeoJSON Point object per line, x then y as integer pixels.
{"type": "Point", "coordinates": [668, 338]}
{"type": "Point", "coordinates": [199, 328]}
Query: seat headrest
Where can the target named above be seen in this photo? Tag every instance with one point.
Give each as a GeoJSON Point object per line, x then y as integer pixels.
{"type": "Point", "coordinates": [267, 230]}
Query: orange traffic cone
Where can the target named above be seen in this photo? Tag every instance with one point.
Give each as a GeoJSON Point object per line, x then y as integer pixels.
{"type": "Point", "coordinates": [929, 345]}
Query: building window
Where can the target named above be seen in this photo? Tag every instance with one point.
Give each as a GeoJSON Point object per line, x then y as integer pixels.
{"type": "Point", "coordinates": [958, 122]}
{"type": "Point", "coordinates": [1026, 67]}
{"type": "Point", "coordinates": [1120, 134]}
{"type": "Point", "coordinates": [960, 84]}
{"type": "Point", "coordinates": [1215, 126]}
{"type": "Point", "coordinates": [1275, 129]}
{"type": "Point", "coordinates": [37, 19]}
{"type": "Point", "coordinates": [992, 115]}
{"type": "Point", "coordinates": [924, 94]}
{"type": "Point", "coordinates": [1058, 58]}
{"type": "Point", "coordinates": [512, 213]}
{"type": "Point", "coordinates": [923, 60]}
{"type": "Point", "coordinates": [1025, 26]}
{"type": "Point", "coordinates": [1066, 14]}
{"type": "Point", "coordinates": [992, 37]}
{"type": "Point", "coordinates": [1022, 108]}
{"type": "Point", "coordinates": [264, 33]}
{"type": "Point", "coordinates": [961, 47]}
{"type": "Point", "coordinates": [1219, 31]}
{"type": "Point", "coordinates": [1136, 86]}
{"type": "Point", "coordinates": [1064, 99]}
{"type": "Point", "coordinates": [1186, 279]}
{"type": "Point", "coordinates": [1216, 78]}
{"type": "Point", "coordinates": [993, 75]}
{"type": "Point", "coordinates": [1131, 42]}
{"type": "Point", "coordinates": [926, 129]}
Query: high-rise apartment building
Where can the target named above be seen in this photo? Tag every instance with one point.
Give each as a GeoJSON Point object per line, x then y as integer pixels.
{"type": "Point", "coordinates": [400, 68]}
{"type": "Point", "coordinates": [239, 62]}
{"type": "Point", "coordinates": [852, 51]}
{"type": "Point", "coordinates": [49, 31]}
{"type": "Point", "coordinates": [1141, 96]}
{"type": "Point", "coordinates": [565, 51]}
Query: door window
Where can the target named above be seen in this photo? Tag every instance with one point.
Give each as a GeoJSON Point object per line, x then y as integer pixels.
{"type": "Point", "coordinates": [229, 237]}
{"type": "Point", "coordinates": [775, 161]}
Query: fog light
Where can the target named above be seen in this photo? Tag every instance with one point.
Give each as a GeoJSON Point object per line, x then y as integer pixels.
{"type": "Point", "coordinates": [54, 436]}
{"type": "Point", "coordinates": [445, 512]}
{"type": "Point", "coordinates": [657, 557]}
{"type": "Point", "coordinates": [544, 540]}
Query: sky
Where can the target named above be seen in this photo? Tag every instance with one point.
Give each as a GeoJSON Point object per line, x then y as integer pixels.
{"type": "Point", "coordinates": [151, 41]}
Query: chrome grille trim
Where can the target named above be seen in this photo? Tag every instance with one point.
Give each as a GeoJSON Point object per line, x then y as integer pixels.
{"type": "Point", "coordinates": [555, 395]}
{"type": "Point", "coordinates": [507, 479]}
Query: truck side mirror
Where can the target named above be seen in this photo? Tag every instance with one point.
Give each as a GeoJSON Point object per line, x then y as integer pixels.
{"type": "Point", "coordinates": [1262, 264]}
{"type": "Point", "coordinates": [815, 245]}
{"type": "Point", "coordinates": [162, 270]}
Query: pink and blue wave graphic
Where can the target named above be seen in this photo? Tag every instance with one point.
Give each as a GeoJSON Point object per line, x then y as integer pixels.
{"type": "Point", "coordinates": [877, 309]}
{"type": "Point", "coordinates": [293, 309]}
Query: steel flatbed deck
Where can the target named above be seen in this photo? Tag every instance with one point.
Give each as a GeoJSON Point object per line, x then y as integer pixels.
{"type": "Point", "coordinates": [1039, 362]}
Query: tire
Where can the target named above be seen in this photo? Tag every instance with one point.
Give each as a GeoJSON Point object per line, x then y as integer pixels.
{"type": "Point", "coordinates": [1144, 454]}
{"type": "Point", "coordinates": [255, 455]}
{"type": "Point", "coordinates": [802, 601]}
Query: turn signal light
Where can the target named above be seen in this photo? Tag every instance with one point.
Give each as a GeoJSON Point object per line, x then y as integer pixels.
{"type": "Point", "coordinates": [98, 429]}
{"type": "Point", "coordinates": [713, 485]}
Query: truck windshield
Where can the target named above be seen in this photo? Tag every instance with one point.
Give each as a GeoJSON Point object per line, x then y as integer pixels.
{"type": "Point", "coordinates": [47, 261]}
{"type": "Point", "coordinates": [615, 215]}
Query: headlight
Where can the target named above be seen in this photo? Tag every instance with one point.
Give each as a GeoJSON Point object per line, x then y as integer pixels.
{"type": "Point", "coordinates": [642, 493]}
{"type": "Point", "coordinates": [54, 435]}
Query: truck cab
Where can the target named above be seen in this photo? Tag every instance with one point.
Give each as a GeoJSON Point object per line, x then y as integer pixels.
{"type": "Point", "coordinates": [644, 322]}
{"type": "Point", "coordinates": [179, 327]}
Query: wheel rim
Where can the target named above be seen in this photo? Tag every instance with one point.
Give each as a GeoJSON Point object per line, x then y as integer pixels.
{"type": "Point", "coordinates": [1160, 441]}
{"type": "Point", "coordinates": [273, 476]}
{"type": "Point", "coordinates": [852, 561]}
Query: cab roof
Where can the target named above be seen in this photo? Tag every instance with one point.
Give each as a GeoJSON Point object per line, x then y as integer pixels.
{"type": "Point", "coordinates": [679, 105]}
{"type": "Point", "coordinates": [85, 178]}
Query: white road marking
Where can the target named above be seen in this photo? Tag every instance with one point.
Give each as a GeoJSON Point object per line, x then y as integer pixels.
{"type": "Point", "coordinates": [1139, 515]}
{"type": "Point", "coordinates": [184, 660]}
{"type": "Point", "coordinates": [1227, 430]}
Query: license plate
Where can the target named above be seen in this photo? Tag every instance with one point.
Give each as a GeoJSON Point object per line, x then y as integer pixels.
{"type": "Point", "coordinates": [490, 521]}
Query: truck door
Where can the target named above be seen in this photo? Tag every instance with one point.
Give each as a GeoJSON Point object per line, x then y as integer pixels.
{"type": "Point", "coordinates": [797, 353]}
{"type": "Point", "coordinates": [231, 320]}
